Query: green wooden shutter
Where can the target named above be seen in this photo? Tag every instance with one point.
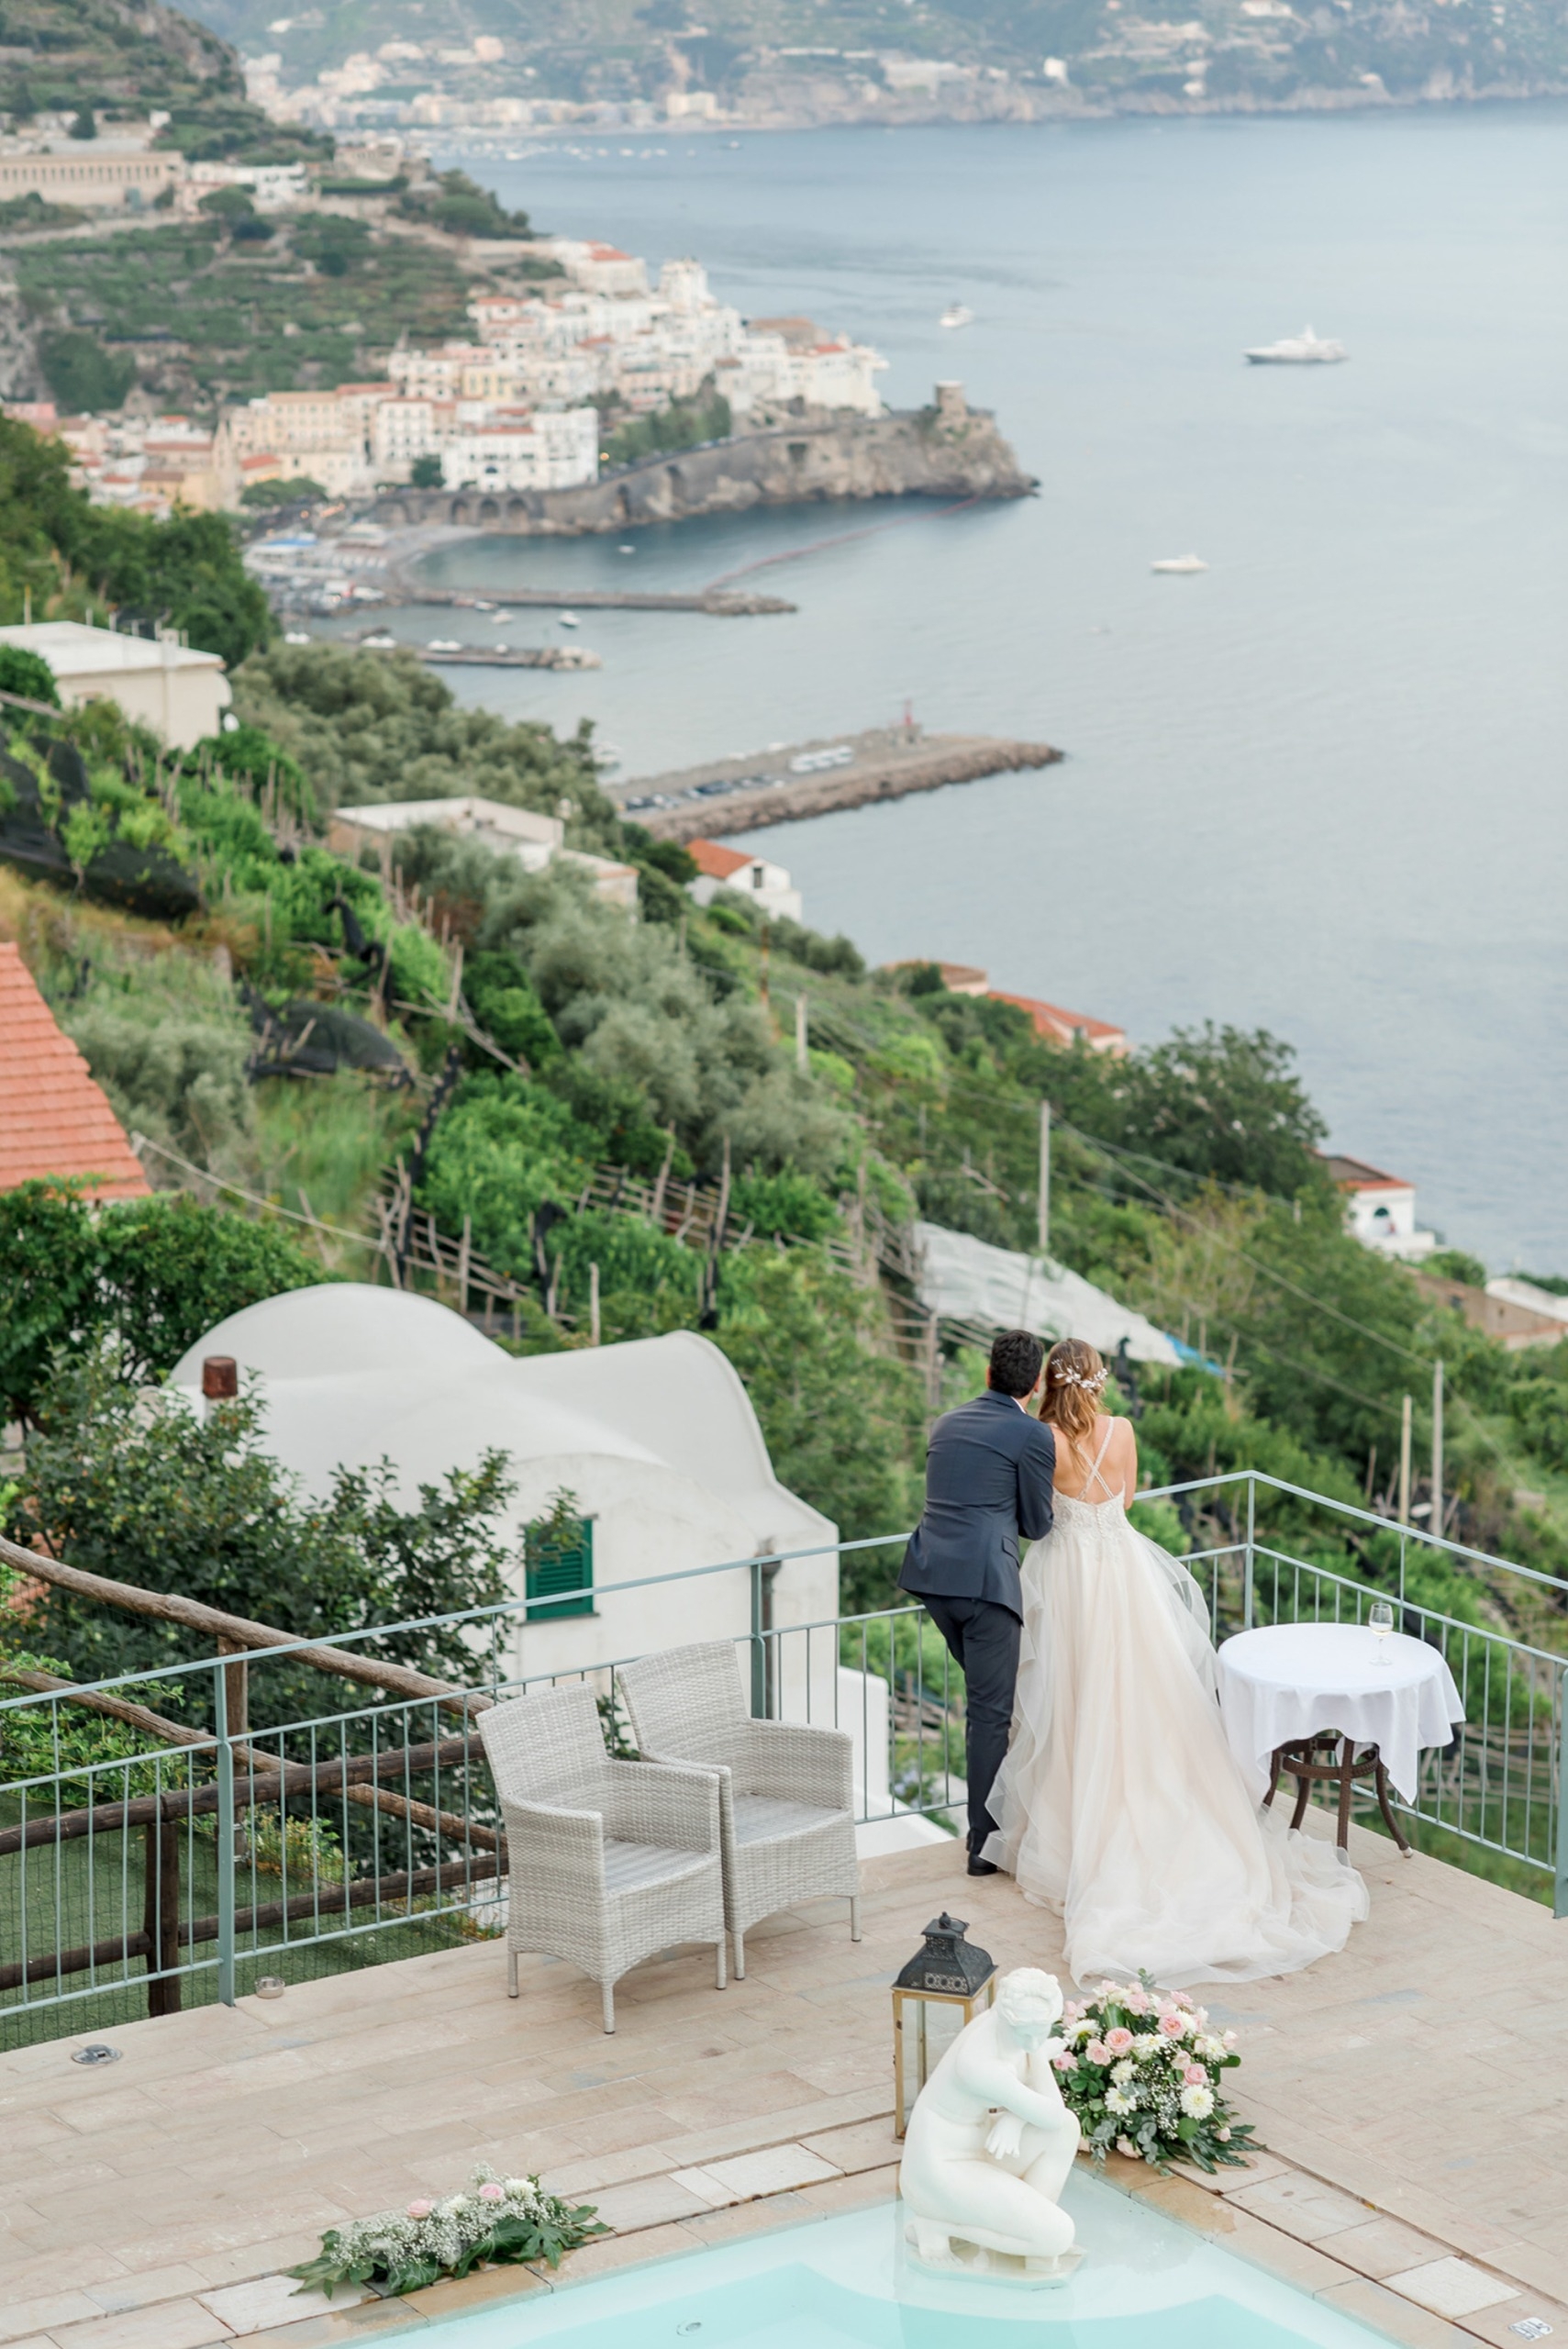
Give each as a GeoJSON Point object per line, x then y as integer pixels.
{"type": "Point", "coordinates": [561, 1573]}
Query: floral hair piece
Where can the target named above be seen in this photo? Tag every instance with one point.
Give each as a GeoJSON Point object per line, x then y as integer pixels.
{"type": "Point", "coordinates": [1063, 1374]}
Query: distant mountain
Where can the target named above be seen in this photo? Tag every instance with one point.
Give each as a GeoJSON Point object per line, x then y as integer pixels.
{"type": "Point", "coordinates": [114, 58]}
{"type": "Point", "coordinates": [902, 60]}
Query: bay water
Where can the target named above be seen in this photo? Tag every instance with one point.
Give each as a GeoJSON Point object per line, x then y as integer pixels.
{"type": "Point", "coordinates": [1319, 788]}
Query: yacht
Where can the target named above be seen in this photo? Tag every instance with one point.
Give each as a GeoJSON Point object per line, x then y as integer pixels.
{"type": "Point", "coordinates": [567, 619]}
{"type": "Point", "coordinates": [1302, 349]}
{"type": "Point", "coordinates": [957, 314]}
{"type": "Point", "coordinates": [1184, 565]}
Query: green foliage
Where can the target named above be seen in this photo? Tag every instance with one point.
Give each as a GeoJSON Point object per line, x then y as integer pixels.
{"type": "Point", "coordinates": [22, 215]}
{"type": "Point", "coordinates": [28, 674]}
{"type": "Point", "coordinates": [685, 424]}
{"type": "Point", "coordinates": [1454, 1264]}
{"type": "Point", "coordinates": [81, 373]}
{"type": "Point", "coordinates": [494, 2223]}
{"type": "Point", "coordinates": [426, 473]}
{"type": "Point", "coordinates": [154, 1275]}
{"type": "Point", "coordinates": [371, 726]}
{"type": "Point", "coordinates": [148, 1492]}
{"type": "Point", "coordinates": [843, 1423]}
{"type": "Point", "coordinates": [458, 205]}
{"type": "Point", "coordinates": [168, 1040]}
{"type": "Point", "coordinates": [298, 490]}
{"type": "Point", "coordinates": [501, 997]}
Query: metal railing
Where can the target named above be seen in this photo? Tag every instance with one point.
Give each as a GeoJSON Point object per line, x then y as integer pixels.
{"type": "Point", "coordinates": [135, 1876]}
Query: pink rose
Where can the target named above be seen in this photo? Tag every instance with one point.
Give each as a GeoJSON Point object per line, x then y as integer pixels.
{"type": "Point", "coordinates": [1097, 2052]}
{"type": "Point", "coordinates": [1072, 2011]}
{"type": "Point", "coordinates": [1119, 2040]}
{"type": "Point", "coordinates": [1173, 2026]}
{"type": "Point", "coordinates": [493, 2193]}
{"type": "Point", "coordinates": [1195, 2077]}
{"type": "Point", "coordinates": [1136, 2002]}
{"type": "Point", "coordinates": [1180, 1998]}
{"type": "Point", "coordinates": [1064, 2060]}
{"type": "Point", "coordinates": [420, 2209]}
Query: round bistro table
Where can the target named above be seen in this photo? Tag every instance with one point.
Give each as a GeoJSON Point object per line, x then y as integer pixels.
{"type": "Point", "coordinates": [1312, 1700]}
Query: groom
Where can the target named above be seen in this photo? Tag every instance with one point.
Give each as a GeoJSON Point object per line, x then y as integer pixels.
{"type": "Point", "coordinates": [989, 1471]}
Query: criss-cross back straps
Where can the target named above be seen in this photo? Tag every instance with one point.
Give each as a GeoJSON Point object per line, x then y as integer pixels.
{"type": "Point", "coordinates": [1094, 1475]}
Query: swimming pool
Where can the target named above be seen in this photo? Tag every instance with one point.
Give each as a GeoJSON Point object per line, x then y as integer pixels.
{"type": "Point", "coordinates": [845, 2284]}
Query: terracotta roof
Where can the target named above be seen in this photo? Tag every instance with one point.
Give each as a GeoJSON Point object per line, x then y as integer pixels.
{"type": "Point", "coordinates": [1051, 1020]}
{"type": "Point", "coordinates": [1355, 1175]}
{"type": "Point", "coordinates": [717, 860]}
{"type": "Point", "coordinates": [53, 1119]}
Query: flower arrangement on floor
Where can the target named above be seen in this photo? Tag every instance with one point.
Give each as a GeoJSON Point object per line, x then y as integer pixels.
{"type": "Point", "coordinates": [1140, 2068]}
{"type": "Point", "coordinates": [495, 2220]}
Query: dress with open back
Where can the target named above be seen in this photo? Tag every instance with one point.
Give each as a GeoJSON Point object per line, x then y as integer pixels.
{"type": "Point", "coordinates": [1119, 1804]}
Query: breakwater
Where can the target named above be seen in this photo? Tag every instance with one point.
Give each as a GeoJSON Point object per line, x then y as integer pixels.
{"type": "Point", "coordinates": [725, 603]}
{"type": "Point", "coordinates": [948, 450]}
{"type": "Point", "coordinates": [788, 782]}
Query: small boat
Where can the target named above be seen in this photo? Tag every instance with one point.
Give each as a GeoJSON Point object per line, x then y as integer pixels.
{"type": "Point", "coordinates": [443, 645]}
{"type": "Point", "coordinates": [1182, 565]}
{"type": "Point", "coordinates": [1302, 349]}
{"type": "Point", "coordinates": [296, 636]}
{"type": "Point", "coordinates": [382, 644]}
{"type": "Point", "coordinates": [957, 314]}
{"type": "Point", "coordinates": [567, 619]}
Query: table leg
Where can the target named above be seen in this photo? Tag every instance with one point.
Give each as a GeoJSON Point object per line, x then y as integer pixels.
{"type": "Point", "coordinates": [1276, 1763]}
{"type": "Point", "coordinates": [1389, 1820]}
{"type": "Point", "coordinates": [1303, 1789]}
{"type": "Point", "coordinates": [1347, 1788]}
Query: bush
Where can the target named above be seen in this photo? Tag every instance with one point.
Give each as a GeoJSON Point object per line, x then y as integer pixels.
{"type": "Point", "coordinates": [25, 674]}
{"type": "Point", "coordinates": [154, 1275]}
{"type": "Point", "coordinates": [82, 376]}
{"type": "Point", "coordinates": [298, 490]}
{"type": "Point", "coordinates": [159, 1496]}
{"type": "Point", "coordinates": [426, 473]}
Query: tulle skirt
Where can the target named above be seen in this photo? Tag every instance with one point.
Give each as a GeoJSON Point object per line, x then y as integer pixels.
{"type": "Point", "coordinates": [1119, 1805]}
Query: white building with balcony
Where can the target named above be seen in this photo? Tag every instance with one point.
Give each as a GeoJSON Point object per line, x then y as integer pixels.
{"type": "Point", "coordinates": [1379, 1209]}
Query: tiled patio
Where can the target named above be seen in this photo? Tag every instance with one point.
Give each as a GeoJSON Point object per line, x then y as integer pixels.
{"type": "Point", "coordinates": [1412, 2094]}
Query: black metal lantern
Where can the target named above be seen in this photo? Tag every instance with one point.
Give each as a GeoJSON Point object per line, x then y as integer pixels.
{"type": "Point", "coordinates": [945, 1985]}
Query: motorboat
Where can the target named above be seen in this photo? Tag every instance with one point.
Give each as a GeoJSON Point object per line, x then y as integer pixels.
{"type": "Point", "coordinates": [1302, 349]}
{"type": "Point", "coordinates": [957, 314]}
{"type": "Point", "coordinates": [443, 645]}
{"type": "Point", "coordinates": [567, 619]}
{"type": "Point", "coordinates": [1182, 566]}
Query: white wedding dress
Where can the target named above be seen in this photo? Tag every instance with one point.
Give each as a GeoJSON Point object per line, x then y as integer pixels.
{"type": "Point", "coordinates": [1119, 1804]}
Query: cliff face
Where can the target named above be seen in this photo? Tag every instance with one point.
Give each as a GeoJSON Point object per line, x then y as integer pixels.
{"type": "Point", "coordinates": [948, 451]}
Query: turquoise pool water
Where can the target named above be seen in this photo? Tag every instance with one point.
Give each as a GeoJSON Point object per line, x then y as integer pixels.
{"type": "Point", "coordinates": [846, 2284]}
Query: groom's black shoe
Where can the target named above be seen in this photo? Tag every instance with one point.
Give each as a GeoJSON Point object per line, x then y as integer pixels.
{"type": "Point", "coordinates": [976, 1866]}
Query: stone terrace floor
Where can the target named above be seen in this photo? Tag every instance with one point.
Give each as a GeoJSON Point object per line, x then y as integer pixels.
{"type": "Point", "coordinates": [1413, 2094]}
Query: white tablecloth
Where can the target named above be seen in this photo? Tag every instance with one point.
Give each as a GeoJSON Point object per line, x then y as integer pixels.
{"type": "Point", "coordinates": [1290, 1681]}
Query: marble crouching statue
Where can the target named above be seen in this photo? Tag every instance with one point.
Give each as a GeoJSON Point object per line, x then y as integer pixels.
{"type": "Point", "coordinates": [991, 2143]}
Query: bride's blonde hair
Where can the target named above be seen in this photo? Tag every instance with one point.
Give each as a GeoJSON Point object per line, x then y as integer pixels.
{"type": "Point", "coordinates": [1074, 1379]}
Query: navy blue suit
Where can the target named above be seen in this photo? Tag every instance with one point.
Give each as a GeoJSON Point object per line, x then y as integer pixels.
{"type": "Point", "coordinates": [989, 1475]}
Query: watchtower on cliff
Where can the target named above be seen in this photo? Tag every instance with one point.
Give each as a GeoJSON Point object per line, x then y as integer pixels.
{"type": "Point", "coordinates": [951, 405]}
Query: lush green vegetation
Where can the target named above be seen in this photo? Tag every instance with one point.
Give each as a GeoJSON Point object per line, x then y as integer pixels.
{"type": "Point", "coordinates": [81, 562]}
{"type": "Point", "coordinates": [685, 424]}
{"type": "Point", "coordinates": [458, 207]}
{"type": "Point", "coordinates": [213, 312]}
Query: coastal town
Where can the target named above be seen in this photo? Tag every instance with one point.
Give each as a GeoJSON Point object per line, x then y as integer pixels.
{"type": "Point", "coordinates": [518, 403]}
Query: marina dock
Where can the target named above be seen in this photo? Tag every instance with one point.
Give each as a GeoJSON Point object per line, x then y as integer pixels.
{"type": "Point", "coordinates": [788, 781]}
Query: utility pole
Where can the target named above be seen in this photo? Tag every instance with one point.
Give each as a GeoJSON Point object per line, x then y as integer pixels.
{"type": "Point", "coordinates": [1437, 1516]}
{"type": "Point", "coordinates": [593, 1305]}
{"type": "Point", "coordinates": [1044, 1178]}
{"type": "Point", "coordinates": [802, 1060]}
{"type": "Point", "coordinates": [1405, 1463]}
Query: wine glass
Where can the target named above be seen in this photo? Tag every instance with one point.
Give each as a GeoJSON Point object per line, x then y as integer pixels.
{"type": "Point", "coordinates": [1380, 1622]}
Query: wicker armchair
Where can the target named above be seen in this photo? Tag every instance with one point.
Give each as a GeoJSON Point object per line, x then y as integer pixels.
{"type": "Point", "coordinates": [787, 1794]}
{"type": "Point", "coordinates": [608, 1861]}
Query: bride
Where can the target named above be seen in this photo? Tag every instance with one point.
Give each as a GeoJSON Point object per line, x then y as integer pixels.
{"type": "Point", "coordinates": [1119, 1804]}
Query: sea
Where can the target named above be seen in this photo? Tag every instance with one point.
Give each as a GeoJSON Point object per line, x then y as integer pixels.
{"type": "Point", "coordinates": [1320, 788]}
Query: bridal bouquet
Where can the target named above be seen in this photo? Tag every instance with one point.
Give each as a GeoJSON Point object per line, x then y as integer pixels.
{"type": "Point", "coordinates": [1140, 2068]}
{"type": "Point", "coordinates": [498, 2219]}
